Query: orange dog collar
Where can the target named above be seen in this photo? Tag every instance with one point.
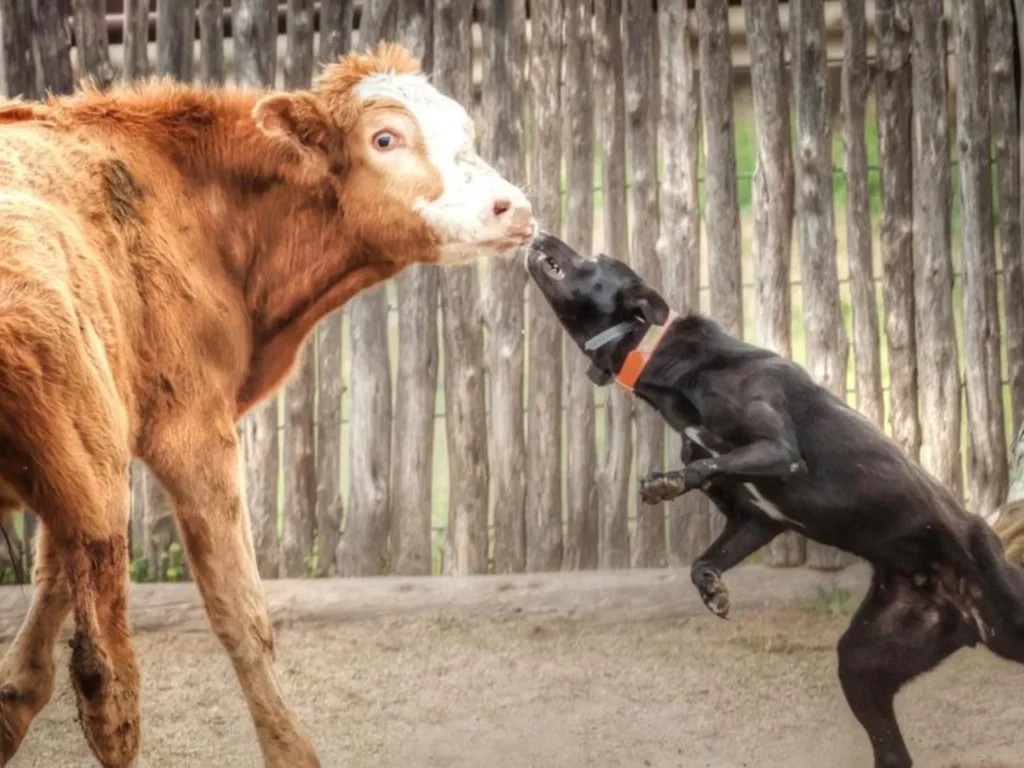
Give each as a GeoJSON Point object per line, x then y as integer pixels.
{"type": "Point", "coordinates": [638, 357]}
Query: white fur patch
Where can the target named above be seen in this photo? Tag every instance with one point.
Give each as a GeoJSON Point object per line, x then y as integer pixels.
{"type": "Point", "coordinates": [759, 500]}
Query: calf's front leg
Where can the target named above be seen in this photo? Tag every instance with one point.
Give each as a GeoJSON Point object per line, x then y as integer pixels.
{"type": "Point", "coordinates": [743, 535]}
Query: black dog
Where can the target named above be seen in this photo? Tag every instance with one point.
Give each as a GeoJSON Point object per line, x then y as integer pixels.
{"type": "Point", "coordinates": [775, 451]}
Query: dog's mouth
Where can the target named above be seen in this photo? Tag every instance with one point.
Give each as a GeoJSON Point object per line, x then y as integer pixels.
{"type": "Point", "coordinates": [543, 259]}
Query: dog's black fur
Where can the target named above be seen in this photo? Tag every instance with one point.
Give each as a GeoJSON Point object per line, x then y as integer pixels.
{"type": "Point", "coordinates": [756, 423]}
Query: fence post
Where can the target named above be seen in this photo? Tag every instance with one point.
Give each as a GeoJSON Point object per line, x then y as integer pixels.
{"type": "Point", "coordinates": [175, 33]}
{"type": "Point", "coordinates": [17, 64]}
{"type": "Point", "coordinates": [581, 489]}
{"type": "Point", "coordinates": [363, 547]}
{"type": "Point", "coordinates": [855, 87]}
{"type": "Point", "coordinates": [465, 549]}
{"type": "Point", "coordinates": [91, 40]}
{"type": "Point", "coordinates": [773, 208]}
{"type": "Point", "coordinates": [613, 486]}
{"type": "Point", "coordinates": [255, 63]}
{"type": "Point", "coordinates": [412, 468]}
{"type": "Point", "coordinates": [336, 17]}
{"type": "Point", "coordinates": [504, 44]}
{"type": "Point", "coordinates": [827, 344]}
{"type": "Point", "coordinates": [298, 529]}
{"type": "Point", "coordinates": [1006, 141]}
{"type": "Point", "coordinates": [544, 436]}
{"type": "Point", "coordinates": [937, 355]}
{"type": "Point", "coordinates": [642, 93]}
{"type": "Point", "coordinates": [986, 446]}
{"type": "Point", "coordinates": [211, 41]}
{"type": "Point", "coordinates": [892, 28]}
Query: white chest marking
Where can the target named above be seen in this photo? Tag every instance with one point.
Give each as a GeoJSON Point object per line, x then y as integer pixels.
{"type": "Point", "coordinates": [758, 499]}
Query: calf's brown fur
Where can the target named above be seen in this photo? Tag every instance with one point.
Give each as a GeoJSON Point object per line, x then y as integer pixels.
{"type": "Point", "coordinates": [164, 251]}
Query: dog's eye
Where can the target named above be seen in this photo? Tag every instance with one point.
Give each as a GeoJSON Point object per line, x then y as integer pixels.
{"type": "Point", "coordinates": [552, 268]}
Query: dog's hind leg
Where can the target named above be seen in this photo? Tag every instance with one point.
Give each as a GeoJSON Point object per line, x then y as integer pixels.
{"type": "Point", "coordinates": [898, 632]}
{"type": "Point", "coordinates": [743, 535]}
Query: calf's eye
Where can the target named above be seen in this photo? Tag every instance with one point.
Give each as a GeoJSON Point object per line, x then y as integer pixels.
{"type": "Point", "coordinates": [385, 140]}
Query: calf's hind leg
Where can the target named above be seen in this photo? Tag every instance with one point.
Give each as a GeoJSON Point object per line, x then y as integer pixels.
{"type": "Point", "coordinates": [202, 476]}
{"type": "Point", "coordinates": [897, 633]}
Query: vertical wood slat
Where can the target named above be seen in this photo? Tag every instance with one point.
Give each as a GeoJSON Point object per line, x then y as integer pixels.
{"type": "Point", "coordinates": [581, 489]}
{"type": "Point", "coordinates": [53, 41]}
{"type": "Point", "coordinates": [465, 417]}
{"type": "Point", "coordinates": [335, 40]}
{"type": "Point", "coordinates": [1013, 282]}
{"type": "Point", "coordinates": [1006, 143]}
{"type": "Point", "coordinates": [363, 549]}
{"type": "Point", "coordinates": [17, 65]}
{"type": "Point", "coordinates": [986, 447]}
{"type": "Point", "coordinates": [892, 27]}
{"type": "Point", "coordinates": [175, 33]}
{"type": "Point", "coordinates": [91, 40]}
{"type": "Point", "coordinates": [211, 41]}
{"type": "Point", "coordinates": [689, 516]}
{"type": "Point", "coordinates": [255, 65]}
{"type": "Point", "coordinates": [938, 359]}
{"type": "Point", "coordinates": [642, 92]}
{"type": "Point", "coordinates": [412, 448]}
{"type": "Point", "coordinates": [773, 208]}
{"type": "Point", "coordinates": [827, 344]}
{"type": "Point", "coordinates": [298, 531]}
{"type": "Point", "coordinates": [136, 38]}
{"type": "Point", "coordinates": [544, 431]}
{"type": "Point", "coordinates": [855, 87]}
{"type": "Point", "coordinates": [504, 46]}
{"type": "Point", "coordinates": [613, 487]}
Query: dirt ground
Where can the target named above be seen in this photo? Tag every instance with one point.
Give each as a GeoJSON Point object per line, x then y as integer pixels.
{"type": "Point", "coordinates": [758, 690]}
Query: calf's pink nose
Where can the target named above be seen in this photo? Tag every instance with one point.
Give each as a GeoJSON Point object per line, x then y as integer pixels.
{"type": "Point", "coordinates": [522, 217]}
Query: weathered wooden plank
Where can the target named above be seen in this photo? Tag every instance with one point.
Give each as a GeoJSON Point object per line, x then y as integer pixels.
{"type": "Point", "coordinates": [642, 92]}
{"type": "Point", "coordinates": [254, 33]}
{"type": "Point", "coordinates": [17, 65]}
{"type": "Point", "coordinates": [91, 40]}
{"type": "Point", "coordinates": [413, 448]}
{"type": "Point", "coordinates": [894, 158]}
{"type": "Point", "coordinates": [856, 85]}
{"type": "Point", "coordinates": [823, 319]}
{"type": "Point", "coordinates": [1013, 271]}
{"type": "Point", "coordinates": [211, 41]}
{"type": "Point", "coordinates": [175, 34]}
{"type": "Point", "coordinates": [937, 355]}
{"type": "Point", "coordinates": [773, 208]}
{"type": "Point", "coordinates": [581, 460]}
{"type": "Point", "coordinates": [986, 447]}
{"type": "Point", "coordinates": [465, 417]}
{"type": "Point", "coordinates": [336, 17]}
{"type": "Point", "coordinates": [613, 487]}
{"type": "Point", "coordinates": [53, 41]}
{"type": "Point", "coordinates": [544, 436]}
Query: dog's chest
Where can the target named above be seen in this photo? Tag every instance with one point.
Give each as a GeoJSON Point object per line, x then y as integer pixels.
{"type": "Point", "coordinates": [715, 446]}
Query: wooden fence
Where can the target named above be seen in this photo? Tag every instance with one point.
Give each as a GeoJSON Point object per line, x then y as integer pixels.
{"type": "Point", "coordinates": [441, 423]}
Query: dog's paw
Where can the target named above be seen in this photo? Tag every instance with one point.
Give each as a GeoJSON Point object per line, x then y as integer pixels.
{"type": "Point", "coordinates": [661, 486]}
{"type": "Point", "coordinates": [716, 598]}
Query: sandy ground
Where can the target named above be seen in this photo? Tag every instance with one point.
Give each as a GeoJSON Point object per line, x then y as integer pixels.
{"type": "Point", "coordinates": [759, 690]}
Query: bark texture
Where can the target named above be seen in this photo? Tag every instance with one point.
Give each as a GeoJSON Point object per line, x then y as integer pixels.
{"type": "Point", "coordinates": [211, 41]}
{"type": "Point", "coordinates": [175, 30]}
{"type": "Point", "coordinates": [986, 446]}
{"type": "Point", "coordinates": [53, 41]}
{"type": "Point", "coordinates": [1013, 271]}
{"type": "Point", "coordinates": [17, 65]}
{"type": "Point", "coordinates": [91, 41]}
{"type": "Point", "coordinates": [254, 33]}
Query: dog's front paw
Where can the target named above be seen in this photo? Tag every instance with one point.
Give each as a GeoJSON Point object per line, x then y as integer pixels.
{"type": "Point", "coordinates": [661, 486]}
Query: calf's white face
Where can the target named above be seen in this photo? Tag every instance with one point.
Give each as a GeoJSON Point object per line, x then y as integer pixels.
{"type": "Point", "coordinates": [472, 210]}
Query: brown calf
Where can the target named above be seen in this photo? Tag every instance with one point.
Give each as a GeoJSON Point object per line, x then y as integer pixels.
{"type": "Point", "coordinates": [164, 251]}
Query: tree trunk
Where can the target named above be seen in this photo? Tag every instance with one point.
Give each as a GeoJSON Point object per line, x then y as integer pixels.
{"type": "Point", "coordinates": [254, 34]}
{"type": "Point", "coordinates": [211, 41]}
{"type": "Point", "coordinates": [363, 549]}
{"type": "Point", "coordinates": [504, 45]}
{"type": "Point", "coordinates": [894, 158]}
{"type": "Point", "coordinates": [175, 31]}
{"type": "Point", "coordinates": [335, 39]}
{"type": "Point", "coordinates": [413, 442]}
{"type": "Point", "coordinates": [823, 319]}
{"type": "Point", "coordinates": [255, 54]}
{"type": "Point", "coordinates": [773, 209]}
{"type": "Point", "coordinates": [856, 85]}
{"type": "Point", "coordinates": [17, 65]}
{"type": "Point", "coordinates": [465, 405]}
{"type": "Point", "coordinates": [91, 41]}
{"type": "Point", "coordinates": [937, 356]}
{"type": "Point", "coordinates": [581, 486]}
{"type": "Point", "coordinates": [986, 447]}
{"type": "Point", "coordinates": [1013, 271]}
{"type": "Point", "coordinates": [299, 530]}
{"type": "Point", "coordinates": [642, 91]}
{"type": "Point", "coordinates": [53, 41]}
{"type": "Point", "coordinates": [544, 446]}
{"type": "Point", "coordinates": [1006, 140]}
{"type": "Point", "coordinates": [613, 486]}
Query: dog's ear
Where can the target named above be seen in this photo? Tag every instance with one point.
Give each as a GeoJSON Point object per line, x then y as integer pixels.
{"type": "Point", "coordinates": [648, 303]}
{"type": "Point", "coordinates": [598, 376]}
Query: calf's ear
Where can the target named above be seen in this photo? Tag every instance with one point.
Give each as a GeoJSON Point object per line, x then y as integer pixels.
{"type": "Point", "coordinates": [298, 119]}
{"type": "Point", "coordinates": [648, 303]}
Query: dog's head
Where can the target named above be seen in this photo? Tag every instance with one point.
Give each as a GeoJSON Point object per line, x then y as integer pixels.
{"type": "Point", "coordinates": [603, 305]}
